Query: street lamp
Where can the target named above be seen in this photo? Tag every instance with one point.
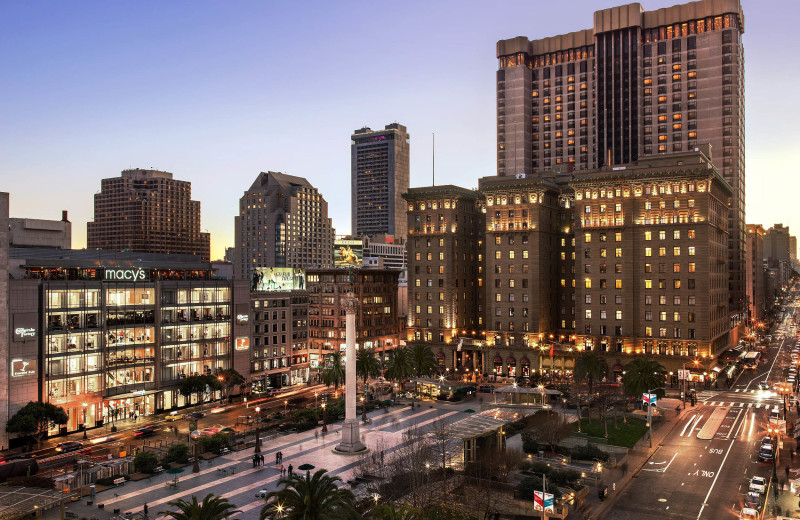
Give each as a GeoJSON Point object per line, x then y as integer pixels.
{"type": "Point", "coordinates": [324, 418]}
{"type": "Point", "coordinates": [285, 406]}
{"type": "Point", "coordinates": [316, 393]}
{"type": "Point", "coordinates": [84, 420]}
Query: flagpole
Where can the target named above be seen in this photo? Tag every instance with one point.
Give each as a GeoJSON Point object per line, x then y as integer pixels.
{"type": "Point", "coordinates": [544, 496]}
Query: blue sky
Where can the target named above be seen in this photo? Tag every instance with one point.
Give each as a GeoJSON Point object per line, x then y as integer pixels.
{"type": "Point", "coordinates": [216, 92]}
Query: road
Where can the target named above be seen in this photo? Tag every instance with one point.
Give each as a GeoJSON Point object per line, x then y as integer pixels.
{"type": "Point", "coordinates": [702, 468]}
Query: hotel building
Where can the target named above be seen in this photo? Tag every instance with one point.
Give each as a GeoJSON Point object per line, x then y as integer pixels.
{"type": "Point", "coordinates": [636, 84]}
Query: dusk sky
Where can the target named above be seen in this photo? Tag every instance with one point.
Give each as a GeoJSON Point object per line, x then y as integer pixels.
{"type": "Point", "coordinates": [216, 92]}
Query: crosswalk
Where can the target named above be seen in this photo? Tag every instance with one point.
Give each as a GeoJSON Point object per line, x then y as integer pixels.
{"type": "Point", "coordinates": [739, 404]}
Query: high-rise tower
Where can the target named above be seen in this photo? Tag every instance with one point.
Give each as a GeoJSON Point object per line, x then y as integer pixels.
{"type": "Point", "coordinates": [638, 83]}
{"type": "Point", "coordinates": [379, 176]}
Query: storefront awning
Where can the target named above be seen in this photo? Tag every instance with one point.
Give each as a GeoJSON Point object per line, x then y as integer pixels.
{"type": "Point", "coordinates": [498, 359]}
{"type": "Point", "coordinates": [511, 360]}
{"type": "Point", "coordinates": [524, 361]}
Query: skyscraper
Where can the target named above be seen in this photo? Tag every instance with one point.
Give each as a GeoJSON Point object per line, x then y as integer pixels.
{"type": "Point", "coordinates": [638, 83]}
{"type": "Point", "coordinates": [282, 222]}
{"type": "Point", "coordinates": [147, 211]}
{"type": "Point", "coordinates": [379, 176]}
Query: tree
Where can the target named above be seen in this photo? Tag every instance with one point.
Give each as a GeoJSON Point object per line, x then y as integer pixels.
{"type": "Point", "coordinates": [548, 427]}
{"type": "Point", "coordinates": [333, 373]}
{"type": "Point", "coordinates": [400, 366]}
{"type": "Point", "coordinates": [392, 512]}
{"type": "Point", "coordinates": [367, 365]}
{"type": "Point", "coordinates": [643, 374]}
{"type": "Point", "coordinates": [211, 508]}
{"type": "Point", "coordinates": [310, 497]}
{"type": "Point", "coordinates": [199, 385]}
{"type": "Point", "coordinates": [34, 418]}
{"type": "Point", "coordinates": [230, 379]}
{"type": "Point", "coordinates": [589, 367]}
{"type": "Point", "coordinates": [423, 362]}
{"type": "Point", "coordinates": [145, 462]}
{"type": "Point", "coordinates": [444, 441]}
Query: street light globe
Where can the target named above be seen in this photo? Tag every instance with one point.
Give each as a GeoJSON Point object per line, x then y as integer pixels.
{"type": "Point", "coordinates": [258, 409]}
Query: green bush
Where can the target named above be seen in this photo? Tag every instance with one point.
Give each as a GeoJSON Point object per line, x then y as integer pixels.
{"type": "Point", "coordinates": [529, 444]}
{"type": "Point", "coordinates": [528, 485]}
{"type": "Point", "coordinates": [537, 467]}
{"type": "Point", "coordinates": [145, 462]}
{"type": "Point", "coordinates": [563, 477]}
{"type": "Point", "coordinates": [214, 443]}
{"type": "Point", "coordinates": [178, 453]}
{"type": "Point", "coordinates": [307, 415]}
{"type": "Point", "coordinates": [588, 452]}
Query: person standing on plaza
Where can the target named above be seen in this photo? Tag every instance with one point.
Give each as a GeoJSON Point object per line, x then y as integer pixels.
{"type": "Point", "coordinates": [290, 469]}
{"type": "Point", "coordinates": [262, 459]}
{"type": "Point", "coordinates": [281, 473]}
{"type": "Point", "coordinates": [277, 457]}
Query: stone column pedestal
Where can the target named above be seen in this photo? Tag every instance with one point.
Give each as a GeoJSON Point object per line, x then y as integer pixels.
{"type": "Point", "coordinates": [351, 434]}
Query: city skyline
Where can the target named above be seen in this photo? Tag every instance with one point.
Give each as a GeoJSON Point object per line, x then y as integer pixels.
{"type": "Point", "coordinates": [183, 91]}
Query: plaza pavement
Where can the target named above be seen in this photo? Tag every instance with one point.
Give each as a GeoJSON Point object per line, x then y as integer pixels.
{"type": "Point", "coordinates": [234, 477]}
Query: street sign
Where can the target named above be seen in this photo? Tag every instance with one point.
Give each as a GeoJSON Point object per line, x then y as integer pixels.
{"type": "Point", "coordinates": [649, 399]}
{"type": "Point", "coordinates": [543, 501]}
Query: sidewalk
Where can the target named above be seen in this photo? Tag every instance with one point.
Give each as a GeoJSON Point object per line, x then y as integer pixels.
{"type": "Point", "coordinates": [618, 478]}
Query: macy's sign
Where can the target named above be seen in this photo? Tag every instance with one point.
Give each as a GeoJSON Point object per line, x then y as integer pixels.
{"type": "Point", "coordinates": [126, 275]}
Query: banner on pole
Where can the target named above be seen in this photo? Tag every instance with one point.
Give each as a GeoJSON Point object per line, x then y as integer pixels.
{"type": "Point", "coordinates": [543, 501]}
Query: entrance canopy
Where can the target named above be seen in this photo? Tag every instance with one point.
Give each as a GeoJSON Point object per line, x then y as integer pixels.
{"type": "Point", "coordinates": [484, 423]}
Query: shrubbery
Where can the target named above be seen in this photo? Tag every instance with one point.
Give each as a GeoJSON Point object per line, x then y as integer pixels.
{"type": "Point", "coordinates": [178, 453]}
{"type": "Point", "coordinates": [145, 462]}
{"type": "Point", "coordinates": [588, 452]}
{"type": "Point", "coordinates": [214, 443]}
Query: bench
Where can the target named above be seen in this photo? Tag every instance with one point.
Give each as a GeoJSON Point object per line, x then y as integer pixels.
{"type": "Point", "coordinates": [118, 481]}
{"type": "Point", "coordinates": [224, 451]}
{"type": "Point", "coordinates": [158, 469]}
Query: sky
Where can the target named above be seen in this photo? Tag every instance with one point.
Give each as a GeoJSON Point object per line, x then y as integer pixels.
{"type": "Point", "coordinates": [216, 92]}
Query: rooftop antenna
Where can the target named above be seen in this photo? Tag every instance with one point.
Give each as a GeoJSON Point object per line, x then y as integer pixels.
{"type": "Point", "coordinates": [433, 158]}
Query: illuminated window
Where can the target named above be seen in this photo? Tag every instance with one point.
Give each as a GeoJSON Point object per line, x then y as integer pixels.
{"type": "Point", "coordinates": [692, 267]}
{"type": "Point", "coordinates": [692, 135]}
{"type": "Point", "coordinates": [618, 284]}
{"type": "Point", "coordinates": [587, 237]}
{"type": "Point", "coordinates": [690, 234]}
{"type": "Point", "coordinates": [662, 118]}
{"type": "Point", "coordinates": [588, 283]}
{"type": "Point", "coordinates": [676, 117]}
{"type": "Point", "coordinates": [676, 234]}
{"type": "Point", "coordinates": [662, 235]}
{"type": "Point", "coordinates": [676, 251]}
{"type": "Point", "coordinates": [618, 236]}
{"type": "Point", "coordinates": [676, 268]}
{"type": "Point", "coordinates": [691, 250]}
{"type": "Point", "coordinates": [648, 284]}
{"type": "Point", "coordinates": [662, 251]}
{"type": "Point", "coordinates": [677, 126]}
{"type": "Point", "coordinates": [648, 251]}
{"type": "Point", "coordinates": [618, 314]}
{"type": "Point", "coordinates": [588, 314]}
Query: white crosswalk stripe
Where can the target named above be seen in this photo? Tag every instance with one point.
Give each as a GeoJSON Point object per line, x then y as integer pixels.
{"type": "Point", "coordinates": [741, 404]}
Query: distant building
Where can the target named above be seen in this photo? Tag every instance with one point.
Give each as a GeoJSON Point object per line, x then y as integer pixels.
{"type": "Point", "coordinates": [31, 232]}
{"type": "Point", "coordinates": [756, 291]}
{"type": "Point", "coordinates": [377, 320]}
{"type": "Point", "coordinates": [777, 243]}
{"type": "Point", "coordinates": [382, 251]}
{"type": "Point", "coordinates": [5, 321]}
{"type": "Point", "coordinates": [223, 270]}
{"type": "Point", "coordinates": [229, 254]}
{"type": "Point", "coordinates": [147, 211]}
{"type": "Point", "coordinates": [282, 222]}
{"type": "Point", "coordinates": [379, 176]}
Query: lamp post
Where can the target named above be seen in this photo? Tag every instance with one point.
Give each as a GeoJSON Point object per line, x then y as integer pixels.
{"type": "Point", "coordinates": [324, 418]}
{"type": "Point", "coordinates": [84, 419]}
{"type": "Point", "coordinates": [285, 406]}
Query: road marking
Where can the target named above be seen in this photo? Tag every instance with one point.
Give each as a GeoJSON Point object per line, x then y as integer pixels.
{"type": "Point", "coordinates": [734, 424]}
{"type": "Point", "coordinates": [705, 501]}
{"type": "Point", "coordinates": [665, 468]}
{"type": "Point", "coordinates": [687, 424]}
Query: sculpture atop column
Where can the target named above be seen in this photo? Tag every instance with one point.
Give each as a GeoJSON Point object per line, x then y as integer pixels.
{"type": "Point", "coordinates": [351, 436]}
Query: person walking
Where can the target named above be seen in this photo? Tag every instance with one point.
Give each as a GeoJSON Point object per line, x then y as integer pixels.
{"type": "Point", "coordinates": [282, 469]}
{"type": "Point", "coordinates": [277, 457]}
{"type": "Point", "coordinates": [262, 459]}
{"type": "Point", "coordinates": [254, 461]}
{"type": "Point", "coordinates": [290, 469]}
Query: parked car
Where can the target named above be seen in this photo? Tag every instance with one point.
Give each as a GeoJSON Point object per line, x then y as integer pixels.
{"type": "Point", "coordinates": [758, 485]}
{"type": "Point", "coordinates": [752, 500]}
{"type": "Point", "coordinates": [65, 447]}
{"type": "Point", "coordinates": [766, 453]}
{"type": "Point", "coordinates": [748, 514]}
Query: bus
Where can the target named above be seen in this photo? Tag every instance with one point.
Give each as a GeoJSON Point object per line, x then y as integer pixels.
{"type": "Point", "coordinates": [751, 359]}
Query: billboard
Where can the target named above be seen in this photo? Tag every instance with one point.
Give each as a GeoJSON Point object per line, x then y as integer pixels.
{"type": "Point", "coordinates": [23, 367]}
{"type": "Point", "coordinates": [348, 252]}
{"type": "Point", "coordinates": [242, 343]}
{"type": "Point", "coordinates": [278, 279]}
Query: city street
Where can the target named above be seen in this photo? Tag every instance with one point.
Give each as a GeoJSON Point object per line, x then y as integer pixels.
{"type": "Point", "coordinates": [702, 468]}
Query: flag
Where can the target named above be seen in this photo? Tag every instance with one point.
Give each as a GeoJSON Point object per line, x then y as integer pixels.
{"type": "Point", "coordinates": [551, 350]}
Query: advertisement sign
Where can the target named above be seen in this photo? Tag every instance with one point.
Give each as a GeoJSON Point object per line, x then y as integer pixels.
{"type": "Point", "coordinates": [23, 367]}
{"type": "Point", "coordinates": [348, 253]}
{"type": "Point", "coordinates": [133, 274]}
{"type": "Point", "coordinates": [243, 343]}
{"type": "Point", "coordinates": [543, 501]}
{"type": "Point", "coordinates": [649, 399]}
{"type": "Point", "coordinates": [278, 279]}
{"type": "Point", "coordinates": [26, 326]}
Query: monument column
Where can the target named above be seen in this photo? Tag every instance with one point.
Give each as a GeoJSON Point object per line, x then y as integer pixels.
{"type": "Point", "coordinates": [351, 436]}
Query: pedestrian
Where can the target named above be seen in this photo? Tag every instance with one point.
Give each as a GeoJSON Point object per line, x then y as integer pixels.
{"type": "Point", "coordinates": [277, 457]}
{"type": "Point", "coordinates": [290, 469]}
{"type": "Point", "coordinates": [316, 434]}
{"type": "Point", "coordinates": [381, 457]}
{"type": "Point", "coordinates": [496, 514]}
{"type": "Point", "coordinates": [254, 461]}
{"type": "Point", "coordinates": [787, 472]}
{"type": "Point", "coordinates": [281, 454]}
{"type": "Point", "coordinates": [145, 509]}
{"type": "Point", "coordinates": [281, 470]}
{"type": "Point", "coordinates": [262, 459]}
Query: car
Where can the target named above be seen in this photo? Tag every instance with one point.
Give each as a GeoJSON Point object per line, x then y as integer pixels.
{"type": "Point", "coordinates": [763, 385]}
{"type": "Point", "coordinates": [194, 415]}
{"type": "Point", "coordinates": [173, 417]}
{"type": "Point", "coordinates": [748, 514]}
{"type": "Point", "coordinates": [486, 389]}
{"type": "Point", "coordinates": [766, 453]}
{"type": "Point", "coordinates": [758, 485]}
{"type": "Point", "coordinates": [752, 500]}
{"type": "Point", "coordinates": [65, 447]}
{"type": "Point", "coordinates": [145, 431]}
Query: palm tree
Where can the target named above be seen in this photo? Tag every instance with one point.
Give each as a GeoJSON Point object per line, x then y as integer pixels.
{"type": "Point", "coordinates": [367, 365]}
{"type": "Point", "coordinates": [310, 497]}
{"type": "Point", "coordinates": [211, 508]}
{"type": "Point", "coordinates": [422, 360]}
{"type": "Point", "coordinates": [400, 366]}
{"type": "Point", "coordinates": [590, 367]}
{"type": "Point", "coordinates": [643, 374]}
{"type": "Point", "coordinates": [333, 374]}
